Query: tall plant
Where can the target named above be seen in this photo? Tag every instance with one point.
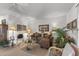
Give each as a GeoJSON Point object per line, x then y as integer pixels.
{"type": "Point", "coordinates": [4, 42]}
{"type": "Point", "coordinates": [61, 40]}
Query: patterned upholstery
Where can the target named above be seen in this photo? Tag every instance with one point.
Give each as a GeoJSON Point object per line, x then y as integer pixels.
{"type": "Point", "coordinates": [54, 51]}
{"type": "Point", "coordinates": [68, 50]}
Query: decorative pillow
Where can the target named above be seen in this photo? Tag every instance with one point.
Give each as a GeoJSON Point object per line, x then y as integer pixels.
{"type": "Point", "coordinates": [75, 49]}
{"type": "Point", "coordinates": [68, 50]}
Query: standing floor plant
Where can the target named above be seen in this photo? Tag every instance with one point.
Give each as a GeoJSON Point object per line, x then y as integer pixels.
{"type": "Point", "coordinates": [61, 38]}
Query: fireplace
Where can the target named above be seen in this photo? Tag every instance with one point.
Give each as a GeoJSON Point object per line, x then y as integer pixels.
{"type": "Point", "coordinates": [20, 36]}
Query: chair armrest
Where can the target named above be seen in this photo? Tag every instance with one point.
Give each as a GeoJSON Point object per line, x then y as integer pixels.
{"type": "Point", "coordinates": [54, 51]}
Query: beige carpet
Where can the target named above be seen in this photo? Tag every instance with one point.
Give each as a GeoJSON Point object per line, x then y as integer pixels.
{"type": "Point", "coordinates": [36, 50]}
{"type": "Point", "coordinates": [12, 52]}
{"type": "Point", "coordinates": [17, 51]}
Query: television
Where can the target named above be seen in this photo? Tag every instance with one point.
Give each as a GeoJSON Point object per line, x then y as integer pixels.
{"type": "Point", "coordinates": [20, 36]}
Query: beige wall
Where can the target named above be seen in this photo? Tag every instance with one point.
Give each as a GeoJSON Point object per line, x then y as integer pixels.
{"type": "Point", "coordinates": [72, 15]}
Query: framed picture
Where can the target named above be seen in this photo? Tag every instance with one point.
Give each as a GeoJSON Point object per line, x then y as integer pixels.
{"type": "Point", "coordinates": [74, 24]}
{"type": "Point", "coordinates": [69, 26]}
{"type": "Point", "coordinates": [21, 27]}
{"type": "Point", "coordinates": [44, 28]}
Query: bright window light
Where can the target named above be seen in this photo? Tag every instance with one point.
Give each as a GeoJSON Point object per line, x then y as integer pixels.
{"type": "Point", "coordinates": [54, 24]}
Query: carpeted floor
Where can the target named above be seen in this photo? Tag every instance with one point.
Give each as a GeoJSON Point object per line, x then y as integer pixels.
{"type": "Point", "coordinates": [17, 51]}
{"type": "Point", "coordinates": [37, 51]}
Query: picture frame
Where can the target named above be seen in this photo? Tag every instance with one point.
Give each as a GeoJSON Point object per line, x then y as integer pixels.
{"type": "Point", "coordinates": [74, 25]}
{"type": "Point", "coordinates": [21, 27]}
{"type": "Point", "coordinates": [69, 26]}
{"type": "Point", "coordinates": [44, 28]}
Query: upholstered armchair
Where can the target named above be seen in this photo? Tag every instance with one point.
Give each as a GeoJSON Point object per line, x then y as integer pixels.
{"type": "Point", "coordinates": [68, 50]}
{"type": "Point", "coordinates": [54, 51]}
{"type": "Point", "coordinates": [46, 41]}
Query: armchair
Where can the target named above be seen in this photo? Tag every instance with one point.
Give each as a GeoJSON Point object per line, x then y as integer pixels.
{"type": "Point", "coordinates": [68, 50]}
{"type": "Point", "coordinates": [54, 51]}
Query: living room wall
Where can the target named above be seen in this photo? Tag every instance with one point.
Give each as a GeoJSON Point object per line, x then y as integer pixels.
{"type": "Point", "coordinates": [72, 15]}
{"type": "Point", "coordinates": [34, 24]}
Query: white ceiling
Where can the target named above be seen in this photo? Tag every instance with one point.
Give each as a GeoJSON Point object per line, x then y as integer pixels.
{"type": "Point", "coordinates": [37, 10]}
{"type": "Point", "coordinates": [42, 10]}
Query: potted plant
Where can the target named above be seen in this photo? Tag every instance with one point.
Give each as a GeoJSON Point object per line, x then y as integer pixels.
{"type": "Point", "coordinates": [4, 43]}
{"type": "Point", "coordinates": [63, 38]}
